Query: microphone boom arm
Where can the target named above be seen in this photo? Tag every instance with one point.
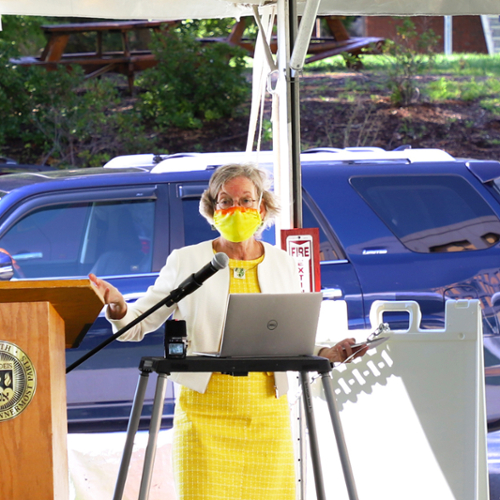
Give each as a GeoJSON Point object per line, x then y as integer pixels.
{"type": "Point", "coordinates": [167, 301]}
{"type": "Point", "coordinates": [189, 285]}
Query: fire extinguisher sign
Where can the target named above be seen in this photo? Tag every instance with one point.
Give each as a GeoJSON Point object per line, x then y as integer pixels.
{"type": "Point", "coordinates": [303, 246]}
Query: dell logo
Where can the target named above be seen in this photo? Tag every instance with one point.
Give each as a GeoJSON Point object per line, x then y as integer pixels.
{"type": "Point", "coordinates": [272, 325]}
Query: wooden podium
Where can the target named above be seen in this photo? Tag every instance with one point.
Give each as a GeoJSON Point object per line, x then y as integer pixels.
{"type": "Point", "coordinates": [38, 319]}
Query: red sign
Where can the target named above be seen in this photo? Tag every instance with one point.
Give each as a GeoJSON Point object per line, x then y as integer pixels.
{"type": "Point", "coordinates": [303, 246]}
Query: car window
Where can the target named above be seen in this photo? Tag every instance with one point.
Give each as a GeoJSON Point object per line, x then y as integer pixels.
{"type": "Point", "coordinates": [73, 239]}
{"type": "Point", "coordinates": [431, 213]}
{"type": "Point", "coordinates": [196, 227]}
{"type": "Point", "coordinates": [327, 251]}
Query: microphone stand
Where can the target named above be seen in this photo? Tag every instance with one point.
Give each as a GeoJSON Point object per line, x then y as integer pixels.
{"type": "Point", "coordinates": [173, 297]}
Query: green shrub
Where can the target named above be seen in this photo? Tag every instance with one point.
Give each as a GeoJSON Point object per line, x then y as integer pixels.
{"type": "Point", "coordinates": [492, 105]}
{"type": "Point", "coordinates": [470, 90]}
{"type": "Point", "coordinates": [12, 96]}
{"type": "Point", "coordinates": [442, 89]}
{"type": "Point", "coordinates": [208, 28]}
{"type": "Point", "coordinates": [65, 119]}
{"type": "Point", "coordinates": [410, 56]}
{"type": "Point", "coordinates": [193, 82]}
{"type": "Point", "coordinates": [23, 34]}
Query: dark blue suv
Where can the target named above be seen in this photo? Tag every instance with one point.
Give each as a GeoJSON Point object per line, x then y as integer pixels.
{"type": "Point", "coordinates": [401, 225]}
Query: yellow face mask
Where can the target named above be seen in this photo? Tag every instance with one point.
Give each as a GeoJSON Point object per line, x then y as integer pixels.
{"type": "Point", "coordinates": [237, 224]}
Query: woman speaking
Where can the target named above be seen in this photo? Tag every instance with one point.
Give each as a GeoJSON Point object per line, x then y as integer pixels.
{"type": "Point", "coordinates": [232, 435]}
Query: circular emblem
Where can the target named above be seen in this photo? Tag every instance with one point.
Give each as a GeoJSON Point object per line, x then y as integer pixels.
{"type": "Point", "coordinates": [272, 324]}
{"type": "Point", "coordinates": [17, 380]}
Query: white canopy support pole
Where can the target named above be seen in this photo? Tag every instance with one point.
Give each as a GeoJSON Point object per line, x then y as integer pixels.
{"type": "Point", "coordinates": [304, 33]}
{"type": "Point", "coordinates": [448, 35]}
{"type": "Point", "coordinates": [264, 38]}
{"type": "Point", "coordinates": [282, 146]}
{"type": "Point", "coordinates": [296, 198]}
{"type": "Point", "coordinates": [261, 67]}
{"type": "Point", "coordinates": [286, 124]}
{"type": "Point", "coordinates": [287, 178]}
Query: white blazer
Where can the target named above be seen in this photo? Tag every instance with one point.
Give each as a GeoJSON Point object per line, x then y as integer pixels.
{"type": "Point", "coordinates": [204, 309]}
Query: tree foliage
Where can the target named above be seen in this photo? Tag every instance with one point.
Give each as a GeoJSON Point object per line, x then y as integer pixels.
{"type": "Point", "coordinates": [193, 82]}
{"type": "Point", "coordinates": [69, 120]}
{"type": "Point", "coordinates": [21, 35]}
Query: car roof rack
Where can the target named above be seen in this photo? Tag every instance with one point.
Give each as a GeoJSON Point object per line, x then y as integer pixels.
{"type": "Point", "coordinates": [208, 161]}
{"type": "Point", "coordinates": [362, 154]}
{"type": "Point", "coordinates": [188, 162]}
{"type": "Point", "coordinates": [340, 150]}
{"type": "Point", "coordinates": [143, 160]}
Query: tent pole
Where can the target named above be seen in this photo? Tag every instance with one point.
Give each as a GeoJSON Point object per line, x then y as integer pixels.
{"type": "Point", "coordinates": [286, 125]}
{"type": "Point", "coordinates": [282, 123]}
{"type": "Point", "coordinates": [287, 172]}
{"type": "Point", "coordinates": [294, 96]}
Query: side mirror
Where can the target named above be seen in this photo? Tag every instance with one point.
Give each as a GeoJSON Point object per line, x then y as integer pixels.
{"type": "Point", "coordinates": [6, 267]}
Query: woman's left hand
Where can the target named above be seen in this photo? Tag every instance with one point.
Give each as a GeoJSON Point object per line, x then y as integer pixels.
{"type": "Point", "coordinates": [343, 350]}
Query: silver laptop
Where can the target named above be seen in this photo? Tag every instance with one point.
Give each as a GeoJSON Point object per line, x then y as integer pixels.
{"type": "Point", "coordinates": [269, 325]}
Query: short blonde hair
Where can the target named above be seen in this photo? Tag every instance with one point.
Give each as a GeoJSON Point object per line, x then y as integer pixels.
{"type": "Point", "coordinates": [226, 173]}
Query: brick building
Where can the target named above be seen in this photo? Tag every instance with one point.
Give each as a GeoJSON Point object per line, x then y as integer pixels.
{"type": "Point", "coordinates": [468, 35]}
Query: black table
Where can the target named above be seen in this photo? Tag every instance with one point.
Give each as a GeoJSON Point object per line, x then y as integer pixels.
{"type": "Point", "coordinates": [237, 367]}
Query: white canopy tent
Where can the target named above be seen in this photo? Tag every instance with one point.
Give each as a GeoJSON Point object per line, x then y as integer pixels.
{"type": "Point", "coordinates": [286, 121]}
{"type": "Point", "coordinates": [205, 9]}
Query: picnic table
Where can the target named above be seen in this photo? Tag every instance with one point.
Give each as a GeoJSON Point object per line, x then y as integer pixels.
{"type": "Point", "coordinates": [126, 60]}
{"type": "Point", "coordinates": [338, 42]}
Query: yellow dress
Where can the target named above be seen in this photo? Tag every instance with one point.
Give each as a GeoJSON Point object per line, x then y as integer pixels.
{"type": "Point", "coordinates": [234, 442]}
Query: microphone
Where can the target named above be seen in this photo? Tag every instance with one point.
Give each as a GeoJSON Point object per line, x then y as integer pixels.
{"type": "Point", "coordinates": [193, 282]}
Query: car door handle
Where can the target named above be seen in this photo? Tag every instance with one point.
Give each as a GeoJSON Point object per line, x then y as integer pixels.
{"type": "Point", "coordinates": [332, 293]}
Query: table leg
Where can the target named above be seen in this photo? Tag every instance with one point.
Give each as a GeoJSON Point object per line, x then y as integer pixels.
{"type": "Point", "coordinates": [313, 438]}
{"type": "Point", "coordinates": [339, 435]}
{"type": "Point", "coordinates": [154, 428]}
{"type": "Point", "coordinates": [133, 425]}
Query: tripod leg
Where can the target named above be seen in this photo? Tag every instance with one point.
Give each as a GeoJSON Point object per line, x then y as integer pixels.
{"type": "Point", "coordinates": [154, 428]}
{"type": "Point", "coordinates": [339, 435]}
{"type": "Point", "coordinates": [313, 439]}
{"type": "Point", "coordinates": [133, 425]}
{"type": "Point", "coordinates": [302, 447]}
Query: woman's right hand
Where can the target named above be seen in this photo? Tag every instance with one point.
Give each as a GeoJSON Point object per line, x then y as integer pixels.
{"type": "Point", "coordinates": [117, 306]}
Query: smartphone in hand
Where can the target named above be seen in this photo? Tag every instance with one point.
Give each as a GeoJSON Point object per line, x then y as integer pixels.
{"type": "Point", "coordinates": [371, 343]}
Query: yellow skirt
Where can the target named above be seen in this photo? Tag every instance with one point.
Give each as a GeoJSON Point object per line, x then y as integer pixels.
{"type": "Point", "coordinates": [234, 442]}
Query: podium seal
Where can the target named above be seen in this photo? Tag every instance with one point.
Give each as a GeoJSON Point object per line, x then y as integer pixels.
{"type": "Point", "coordinates": [17, 380]}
